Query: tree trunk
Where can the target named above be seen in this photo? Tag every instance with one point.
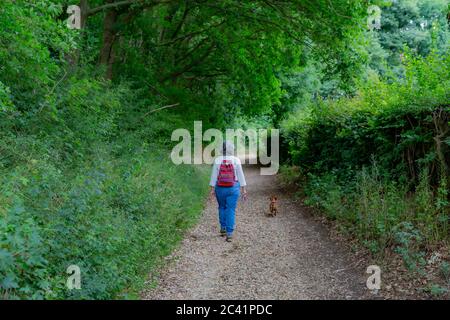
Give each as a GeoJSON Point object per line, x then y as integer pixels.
{"type": "Point", "coordinates": [109, 36]}
{"type": "Point", "coordinates": [84, 6]}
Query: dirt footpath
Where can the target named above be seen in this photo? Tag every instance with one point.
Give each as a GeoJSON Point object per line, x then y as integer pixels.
{"type": "Point", "coordinates": [287, 257]}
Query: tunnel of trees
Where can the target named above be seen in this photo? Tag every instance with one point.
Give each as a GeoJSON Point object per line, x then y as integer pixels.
{"type": "Point", "coordinates": [86, 117]}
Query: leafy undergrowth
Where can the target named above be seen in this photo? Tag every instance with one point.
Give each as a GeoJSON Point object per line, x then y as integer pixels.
{"type": "Point", "coordinates": [84, 183]}
{"type": "Point", "coordinates": [378, 165]}
{"type": "Point", "coordinates": [111, 215]}
{"type": "Point", "coordinates": [386, 226]}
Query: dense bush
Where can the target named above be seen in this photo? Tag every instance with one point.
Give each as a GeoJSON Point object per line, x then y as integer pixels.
{"type": "Point", "coordinates": [378, 163]}
{"type": "Point", "coordinates": [73, 191]}
{"type": "Point", "coordinates": [85, 173]}
{"type": "Point", "coordinates": [403, 124]}
{"type": "Point", "coordinates": [30, 44]}
{"type": "Point", "coordinates": [111, 215]}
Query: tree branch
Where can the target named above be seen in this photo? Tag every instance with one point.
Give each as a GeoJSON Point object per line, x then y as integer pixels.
{"type": "Point", "coordinates": [183, 19]}
{"type": "Point", "coordinates": [111, 6]}
{"type": "Point", "coordinates": [191, 65]}
{"type": "Point", "coordinates": [190, 52]}
{"type": "Point", "coordinates": [162, 108]}
{"type": "Point", "coordinates": [191, 34]}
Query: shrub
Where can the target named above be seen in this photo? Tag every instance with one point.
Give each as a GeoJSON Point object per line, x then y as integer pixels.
{"type": "Point", "coordinates": [403, 125]}
{"type": "Point", "coordinates": [112, 216]}
{"type": "Point", "coordinates": [378, 163]}
{"type": "Point", "coordinates": [79, 187]}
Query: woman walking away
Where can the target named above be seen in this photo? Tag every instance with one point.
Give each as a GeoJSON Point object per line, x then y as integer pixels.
{"type": "Point", "coordinates": [227, 178]}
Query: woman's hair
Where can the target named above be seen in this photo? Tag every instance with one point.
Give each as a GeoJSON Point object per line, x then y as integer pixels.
{"type": "Point", "coordinates": [227, 148]}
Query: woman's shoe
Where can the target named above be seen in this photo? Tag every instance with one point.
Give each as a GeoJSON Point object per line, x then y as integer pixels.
{"type": "Point", "coordinates": [229, 238]}
{"type": "Point", "coordinates": [223, 232]}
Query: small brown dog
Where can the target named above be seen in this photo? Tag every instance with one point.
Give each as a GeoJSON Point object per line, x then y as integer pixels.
{"type": "Point", "coordinates": [273, 206]}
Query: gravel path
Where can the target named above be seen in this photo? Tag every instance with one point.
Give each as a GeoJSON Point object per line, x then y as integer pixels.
{"type": "Point", "coordinates": [286, 257]}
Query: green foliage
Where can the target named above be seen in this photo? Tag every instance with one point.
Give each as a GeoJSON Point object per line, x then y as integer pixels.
{"type": "Point", "coordinates": [86, 118]}
{"type": "Point", "coordinates": [394, 122]}
{"type": "Point", "coordinates": [380, 213]}
{"type": "Point", "coordinates": [23, 267]}
{"type": "Point", "coordinates": [5, 99]}
{"type": "Point", "coordinates": [83, 185]}
{"type": "Point", "coordinates": [445, 271]}
{"type": "Point", "coordinates": [113, 213]}
{"type": "Point", "coordinates": [408, 241]}
{"type": "Point", "coordinates": [377, 163]}
{"type": "Point", "coordinates": [437, 290]}
{"type": "Point", "coordinates": [196, 45]}
{"type": "Point", "coordinates": [27, 44]}
{"type": "Point", "coordinates": [419, 25]}
{"type": "Point", "coordinates": [85, 176]}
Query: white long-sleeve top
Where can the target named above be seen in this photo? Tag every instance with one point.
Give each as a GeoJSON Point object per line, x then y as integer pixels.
{"type": "Point", "coordinates": [238, 172]}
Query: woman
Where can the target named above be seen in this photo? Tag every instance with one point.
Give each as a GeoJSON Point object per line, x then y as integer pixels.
{"type": "Point", "coordinates": [227, 178]}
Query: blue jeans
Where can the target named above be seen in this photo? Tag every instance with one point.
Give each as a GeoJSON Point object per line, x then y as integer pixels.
{"type": "Point", "coordinates": [227, 198]}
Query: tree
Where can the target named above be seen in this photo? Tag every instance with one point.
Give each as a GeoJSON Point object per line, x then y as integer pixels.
{"type": "Point", "coordinates": [413, 23]}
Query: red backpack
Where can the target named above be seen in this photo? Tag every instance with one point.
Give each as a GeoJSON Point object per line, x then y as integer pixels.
{"type": "Point", "coordinates": [226, 177]}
